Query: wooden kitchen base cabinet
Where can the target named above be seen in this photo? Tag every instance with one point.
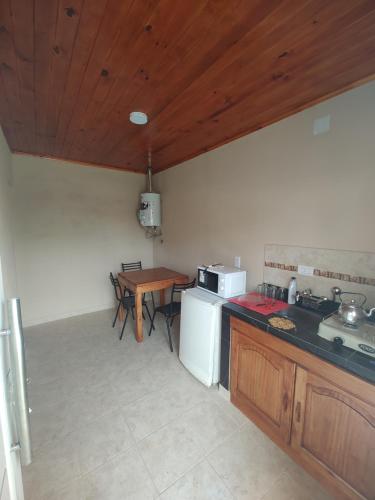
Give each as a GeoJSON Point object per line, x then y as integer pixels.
{"type": "Point", "coordinates": [262, 385]}
{"type": "Point", "coordinates": [322, 416]}
{"type": "Point", "coordinates": [336, 430]}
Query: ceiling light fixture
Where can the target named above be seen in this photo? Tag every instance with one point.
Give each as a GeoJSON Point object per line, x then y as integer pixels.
{"type": "Point", "coordinates": [138, 118]}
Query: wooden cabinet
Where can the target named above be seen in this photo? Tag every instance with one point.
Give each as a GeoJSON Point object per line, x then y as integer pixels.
{"type": "Point", "coordinates": [336, 430]}
{"type": "Point", "coordinates": [262, 385]}
{"type": "Point", "coordinates": [322, 416]}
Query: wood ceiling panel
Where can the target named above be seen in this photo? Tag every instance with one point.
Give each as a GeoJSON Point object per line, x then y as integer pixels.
{"type": "Point", "coordinates": [206, 72]}
{"type": "Point", "coordinates": [193, 49]}
{"type": "Point", "coordinates": [290, 84]}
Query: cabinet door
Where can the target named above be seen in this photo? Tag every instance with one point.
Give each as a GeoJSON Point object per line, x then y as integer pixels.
{"type": "Point", "coordinates": [335, 431]}
{"type": "Point", "coordinates": [262, 385]}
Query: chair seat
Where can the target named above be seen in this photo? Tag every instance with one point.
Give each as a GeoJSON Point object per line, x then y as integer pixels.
{"type": "Point", "coordinates": [128, 301]}
{"type": "Point", "coordinates": [169, 310]}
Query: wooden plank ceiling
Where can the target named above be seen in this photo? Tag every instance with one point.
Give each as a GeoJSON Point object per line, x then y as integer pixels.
{"type": "Point", "coordinates": [205, 71]}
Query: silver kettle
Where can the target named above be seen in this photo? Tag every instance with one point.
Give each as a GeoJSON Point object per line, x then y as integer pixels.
{"type": "Point", "coordinates": [352, 313]}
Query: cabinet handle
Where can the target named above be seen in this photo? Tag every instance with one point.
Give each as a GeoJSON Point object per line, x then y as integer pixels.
{"type": "Point", "coordinates": [285, 401]}
{"type": "Point", "coordinates": [298, 411]}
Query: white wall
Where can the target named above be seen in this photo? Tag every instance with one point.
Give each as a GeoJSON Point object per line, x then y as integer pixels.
{"type": "Point", "coordinates": [279, 185]}
{"type": "Point", "coordinates": [6, 239]}
{"type": "Point", "coordinates": [73, 225]}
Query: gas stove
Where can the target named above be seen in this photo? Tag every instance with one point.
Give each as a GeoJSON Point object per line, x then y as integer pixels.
{"type": "Point", "coordinates": [360, 338]}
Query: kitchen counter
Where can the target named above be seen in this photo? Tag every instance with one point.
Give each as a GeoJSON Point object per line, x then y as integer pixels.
{"type": "Point", "coordinates": [305, 336]}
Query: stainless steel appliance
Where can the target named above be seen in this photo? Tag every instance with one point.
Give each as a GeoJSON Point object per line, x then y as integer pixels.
{"type": "Point", "coordinates": [352, 313]}
{"type": "Point", "coordinates": [314, 303]}
{"type": "Point", "coordinates": [360, 337]}
{"type": "Point", "coordinates": [14, 407]}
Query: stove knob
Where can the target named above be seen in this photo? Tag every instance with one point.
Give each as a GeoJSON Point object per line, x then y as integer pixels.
{"type": "Point", "coordinates": [338, 341]}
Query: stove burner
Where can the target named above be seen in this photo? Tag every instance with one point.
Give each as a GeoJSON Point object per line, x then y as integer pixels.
{"type": "Point", "coordinates": [359, 337]}
{"type": "Point", "coordinates": [352, 327]}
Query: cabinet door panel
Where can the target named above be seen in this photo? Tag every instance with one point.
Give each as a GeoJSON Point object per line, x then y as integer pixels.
{"type": "Point", "coordinates": [262, 384]}
{"type": "Point", "coordinates": [337, 430]}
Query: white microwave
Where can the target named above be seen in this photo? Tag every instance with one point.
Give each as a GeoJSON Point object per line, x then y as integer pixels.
{"type": "Point", "coordinates": [221, 280]}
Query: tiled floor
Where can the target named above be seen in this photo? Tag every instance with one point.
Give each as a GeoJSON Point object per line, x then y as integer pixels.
{"type": "Point", "coordinates": [119, 420]}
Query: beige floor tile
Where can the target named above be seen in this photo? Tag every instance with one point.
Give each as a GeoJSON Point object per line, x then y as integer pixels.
{"type": "Point", "coordinates": [54, 465]}
{"type": "Point", "coordinates": [200, 483]}
{"type": "Point", "coordinates": [208, 425]}
{"type": "Point", "coordinates": [49, 423]}
{"type": "Point", "coordinates": [102, 439]}
{"type": "Point", "coordinates": [164, 366]}
{"type": "Point", "coordinates": [148, 414]}
{"type": "Point", "coordinates": [246, 466]}
{"type": "Point", "coordinates": [71, 491]}
{"type": "Point", "coordinates": [287, 488]}
{"type": "Point", "coordinates": [312, 488]}
{"type": "Point", "coordinates": [169, 453]}
{"type": "Point", "coordinates": [125, 477]}
{"type": "Point", "coordinates": [233, 412]}
{"type": "Point", "coordinates": [132, 385]}
{"type": "Point", "coordinates": [45, 393]}
{"type": "Point", "coordinates": [94, 397]}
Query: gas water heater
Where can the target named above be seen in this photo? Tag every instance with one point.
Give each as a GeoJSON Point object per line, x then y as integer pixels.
{"type": "Point", "coordinates": [149, 209]}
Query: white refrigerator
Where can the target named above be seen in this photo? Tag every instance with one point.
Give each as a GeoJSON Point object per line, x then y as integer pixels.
{"type": "Point", "coordinates": [200, 334]}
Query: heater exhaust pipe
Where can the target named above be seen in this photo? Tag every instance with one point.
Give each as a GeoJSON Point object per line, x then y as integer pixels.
{"type": "Point", "coordinates": [149, 179]}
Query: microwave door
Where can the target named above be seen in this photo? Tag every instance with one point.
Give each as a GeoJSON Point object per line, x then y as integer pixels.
{"type": "Point", "coordinates": [202, 278]}
{"type": "Point", "coordinates": [213, 282]}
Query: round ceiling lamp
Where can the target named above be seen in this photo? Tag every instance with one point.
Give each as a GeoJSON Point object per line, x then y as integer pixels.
{"type": "Point", "coordinates": [138, 118]}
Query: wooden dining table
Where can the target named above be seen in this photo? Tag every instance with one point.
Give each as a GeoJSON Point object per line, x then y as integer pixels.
{"type": "Point", "coordinates": [148, 280]}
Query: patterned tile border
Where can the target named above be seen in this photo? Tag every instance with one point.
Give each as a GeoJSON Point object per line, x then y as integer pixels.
{"type": "Point", "coordinates": [325, 274]}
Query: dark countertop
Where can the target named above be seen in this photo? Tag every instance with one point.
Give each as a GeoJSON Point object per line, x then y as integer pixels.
{"type": "Point", "coordinates": [305, 336]}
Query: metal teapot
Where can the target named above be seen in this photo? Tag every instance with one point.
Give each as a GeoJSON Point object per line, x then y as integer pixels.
{"type": "Point", "coordinates": [352, 313]}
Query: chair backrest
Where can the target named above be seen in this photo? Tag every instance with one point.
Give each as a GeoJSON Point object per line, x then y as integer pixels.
{"type": "Point", "coordinates": [179, 288]}
{"type": "Point", "coordinates": [131, 266]}
{"type": "Point", "coordinates": [116, 286]}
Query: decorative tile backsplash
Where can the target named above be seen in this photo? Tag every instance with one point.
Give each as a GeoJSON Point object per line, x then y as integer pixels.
{"type": "Point", "coordinates": [325, 274]}
{"type": "Point", "coordinates": [351, 271]}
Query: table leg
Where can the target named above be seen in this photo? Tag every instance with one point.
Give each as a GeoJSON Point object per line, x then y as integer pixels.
{"type": "Point", "coordinates": [162, 297]}
{"type": "Point", "coordinates": [138, 317]}
{"type": "Point", "coordinates": [121, 312]}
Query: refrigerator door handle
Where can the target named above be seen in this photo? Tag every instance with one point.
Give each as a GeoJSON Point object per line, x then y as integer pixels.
{"type": "Point", "coordinates": [19, 380]}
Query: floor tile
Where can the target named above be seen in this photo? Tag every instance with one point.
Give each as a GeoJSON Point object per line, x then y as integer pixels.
{"type": "Point", "coordinates": [71, 491]}
{"type": "Point", "coordinates": [120, 420]}
{"type": "Point", "coordinates": [54, 465]}
{"type": "Point", "coordinates": [168, 453]}
{"type": "Point", "coordinates": [49, 423]}
{"type": "Point", "coordinates": [287, 488]}
{"type": "Point", "coordinates": [133, 384]}
{"type": "Point", "coordinates": [148, 414]}
{"type": "Point", "coordinates": [311, 487]}
{"type": "Point", "coordinates": [228, 408]}
{"type": "Point", "coordinates": [200, 483]}
{"type": "Point", "coordinates": [246, 466]}
{"type": "Point", "coordinates": [125, 477]}
{"type": "Point", "coordinates": [102, 439]}
{"type": "Point", "coordinates": [208, 425]}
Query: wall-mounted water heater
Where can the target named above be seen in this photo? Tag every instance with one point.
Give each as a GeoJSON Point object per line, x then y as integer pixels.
{"type": "Point", "coordinates": [149, 213]}
{"type": "Point", "coordinates": [149, 210]}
